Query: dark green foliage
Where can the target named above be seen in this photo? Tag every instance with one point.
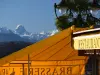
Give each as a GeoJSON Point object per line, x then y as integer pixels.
{"type": "Point", "coordinates": [82, 8]}
{"type": "Point", "coordinates": [62, 23]}
{"type": "Point", "coordinates": [80, 4]}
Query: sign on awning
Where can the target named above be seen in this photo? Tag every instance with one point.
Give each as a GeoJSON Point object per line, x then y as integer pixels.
{"type": "Point", "coordinates": [73, 67]}
{"type": "Point", "coordinates": [87, 42]}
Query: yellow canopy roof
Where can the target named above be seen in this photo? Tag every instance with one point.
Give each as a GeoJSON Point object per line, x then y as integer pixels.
{"type": "Point", "coordinates": [57, 47]}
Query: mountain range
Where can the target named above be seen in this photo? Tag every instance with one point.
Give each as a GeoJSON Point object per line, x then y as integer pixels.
{"type": "Point", "coordinates": [21, 34]}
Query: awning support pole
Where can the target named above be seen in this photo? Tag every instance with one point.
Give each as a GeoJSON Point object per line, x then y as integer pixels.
{"type": "Point", "coordinates": [23, 68]}
{"type": "Point", "coordinates": [28, 65]}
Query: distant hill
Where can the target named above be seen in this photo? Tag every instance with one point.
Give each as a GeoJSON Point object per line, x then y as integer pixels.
{"type": "Point", "coordinates": [7, 48]}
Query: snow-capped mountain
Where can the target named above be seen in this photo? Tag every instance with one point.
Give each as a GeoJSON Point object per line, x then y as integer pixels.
{"type": "Point", "coordinates": [21, 34]}
{"type": "Point", "coordinates": [21, 30]}
{"type": "Point", "coordinates": [5, 30]}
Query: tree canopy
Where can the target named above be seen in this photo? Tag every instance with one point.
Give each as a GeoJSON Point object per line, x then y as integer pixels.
{"type": "Point", "coordinates": [78, 13]}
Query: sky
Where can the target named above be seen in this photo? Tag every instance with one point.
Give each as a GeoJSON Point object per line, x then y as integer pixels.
{"type": "Point", "coordinates": [34, 15]}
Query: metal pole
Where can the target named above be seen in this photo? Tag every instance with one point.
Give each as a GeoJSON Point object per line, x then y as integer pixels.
{"type": "Point", "coordinates": [23, 68]}
{"type": "Point", "coordinates": [28, 65]}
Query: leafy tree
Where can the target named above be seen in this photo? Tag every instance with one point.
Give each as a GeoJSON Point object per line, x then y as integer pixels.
{"type": "Point", "coordinates": [83, 17]}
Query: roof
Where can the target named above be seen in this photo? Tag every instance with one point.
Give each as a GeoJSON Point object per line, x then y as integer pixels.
{"type": "Point", "coordinates": [57, 47]}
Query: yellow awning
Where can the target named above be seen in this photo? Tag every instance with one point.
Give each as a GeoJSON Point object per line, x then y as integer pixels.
{"type": "Point", "coordinates": [57, 47]}
{"type": "Point", "coordinates": [55, 50]}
